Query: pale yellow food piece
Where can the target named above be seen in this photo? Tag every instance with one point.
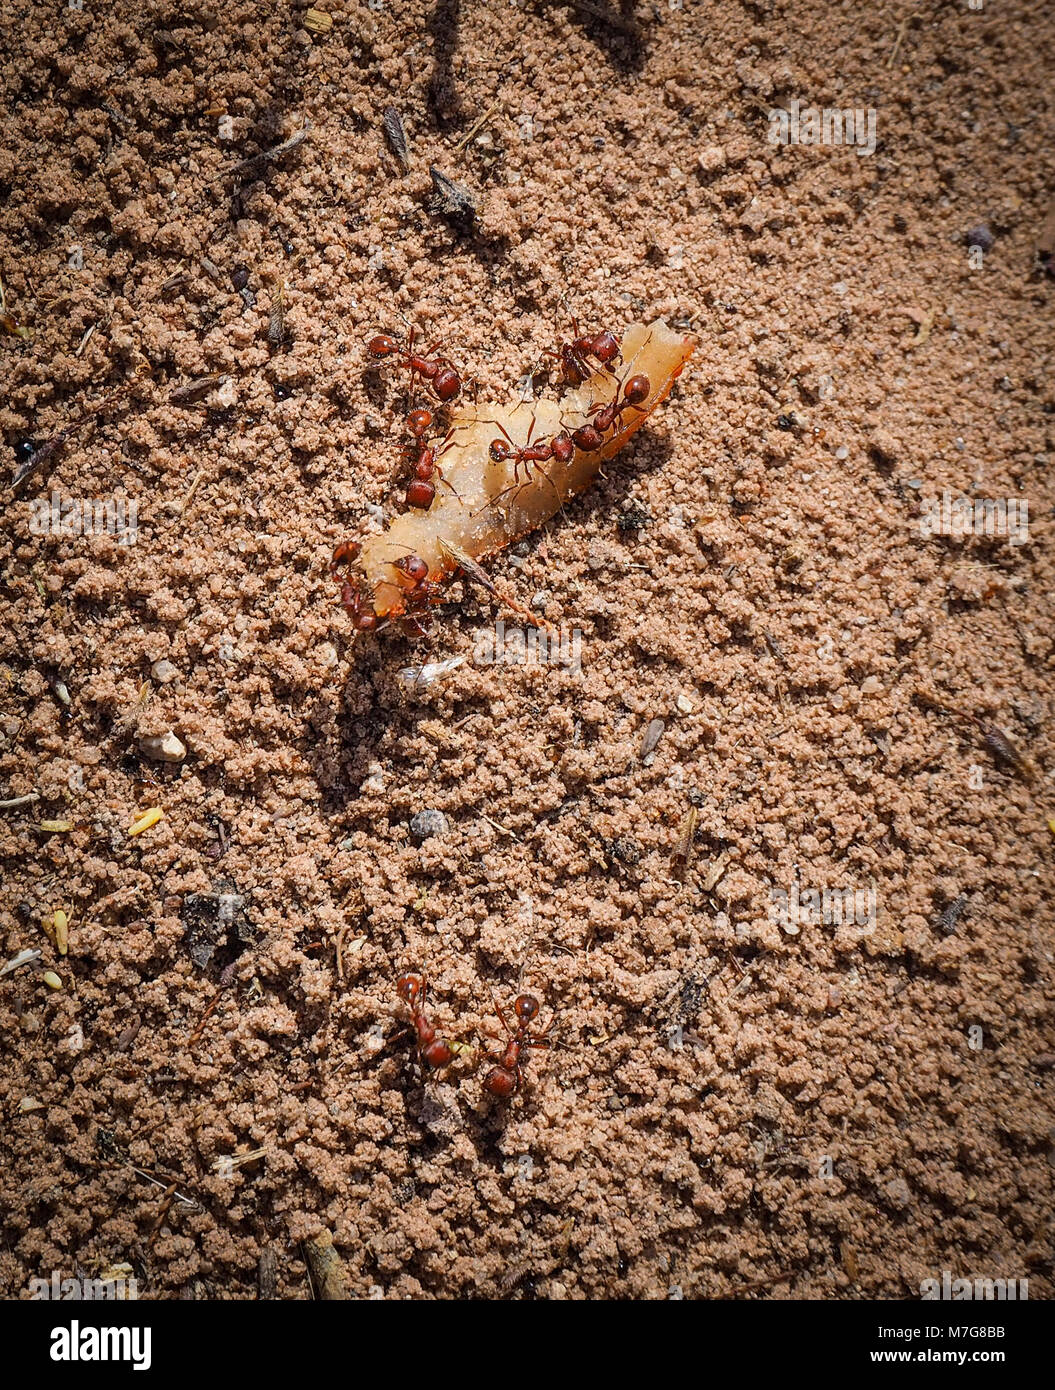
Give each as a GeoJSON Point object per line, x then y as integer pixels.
{"type": "Point", "coordinates": [480, 507]}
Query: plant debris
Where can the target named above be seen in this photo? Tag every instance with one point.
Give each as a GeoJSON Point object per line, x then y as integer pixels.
{"type": "Point", "coordinates": [453, 201]}
{"type": "Point", "coordinates": [216, 923]}
{"type": "Point", "coordinates": [396, 135]}
{"type": "Point", "coordinates": [268, 156]}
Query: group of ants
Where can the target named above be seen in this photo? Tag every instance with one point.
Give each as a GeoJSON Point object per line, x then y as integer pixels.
{"type": "Point", "coordinates": [505, 1077]}
{"type": "Point", "coordinates": [442, 378]}
{"type": "Point", "coordinates": [434, 1053]}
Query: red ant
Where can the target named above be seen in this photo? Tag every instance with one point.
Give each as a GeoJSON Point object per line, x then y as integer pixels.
{"type": "Point", "coordinates": [421, 491]}
{"type": "Point", "coordinates": [590, 437]}
{"type": "Point", "coordinates": [603, 347]}
{"type": "Point", "coordinates": [635, 393]}
{"type": "Point", "coordinates": [439, 372]}
{"type": "Point", "coordinates": [359, 609]}
{"type": "Point", "coordinates": [432, 1051]}
{"type": "Point", "coordinates": [419, 590]}
{"type": "Point", "coordinates": [504, 1080]}
{"type": "Point", "coordinates": [560, 447]}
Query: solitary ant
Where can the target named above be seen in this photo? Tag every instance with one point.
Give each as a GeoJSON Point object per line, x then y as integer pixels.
{"type": "Point", "coordinates": [432, 1051]}
{"type": "Point", "coordinates": [359, 609]}
{"type": "Point", "coordinates": [504, 1080]}
{"type": "Point", "coordinates": [439, 372]}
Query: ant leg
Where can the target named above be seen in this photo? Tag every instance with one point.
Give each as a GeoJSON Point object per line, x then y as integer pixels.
{"type": "Point", "coordinates": [501, 1015]}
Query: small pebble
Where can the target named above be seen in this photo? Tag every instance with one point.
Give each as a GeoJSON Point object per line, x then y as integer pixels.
{"type": "Point", "coordinates": [163, 672]}
{"type": "Point", "coordinates": [981, 236]}
{"type": "Point", "coordinates": [712, 159]}
{"type": "Point", "coordinates": [165, 748]}
{"type": "Point", "coordinates": [427, 823]}
{"type": "Point", "coordinates": [653, 734]}
{"type": "Point", "coordinates": [898, 1192]}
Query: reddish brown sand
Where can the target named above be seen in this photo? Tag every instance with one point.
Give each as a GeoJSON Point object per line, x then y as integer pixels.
{"type": "Point", "coordinates": [825, 1128]}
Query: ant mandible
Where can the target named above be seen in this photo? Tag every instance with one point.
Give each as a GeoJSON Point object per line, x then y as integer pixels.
{"type": "Point", "coordinates": [432, 1051]}
{"type": "Point", "coordinates": [504, 1080]}
{"type": "Point", "coordinates": [439, 372]}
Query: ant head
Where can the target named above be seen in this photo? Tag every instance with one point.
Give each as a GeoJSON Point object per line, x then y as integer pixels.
{"type": "Point", "coordinates": [345, 553]}
{"type": "Point", "coordinates": [446, 383]}
{"type": "Point", "coordinates": [418, 421]}
{"type": "Point", "coordinates": [605, 347]}
{"type": "Point", "coordinates": [501, 1083]}
{"type": "Point", "coordinates": [563, 448]}
{"type": "Point", "coordinates": [525, 1007]}
{"type": "Point", "coordinates": [636, 390]}
{"type": "Point", "coordinates": [409, 987]}
{"type": "Point", "coordinates": [384, 345]}
{"type": "Point", "coordinates": [412, 566]}
{"type": "Point", "coordinates": [420, 494]}
{"type": "Point", "coordinates": [588, 438]}
{"type": "Point", "coordinates": [499, 451]}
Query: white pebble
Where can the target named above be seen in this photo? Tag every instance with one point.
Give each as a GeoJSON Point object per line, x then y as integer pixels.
{"type": "Point", "coordinates": [165, 748]}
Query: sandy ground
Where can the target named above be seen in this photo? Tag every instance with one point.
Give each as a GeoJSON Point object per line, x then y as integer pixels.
{"type": "Point", "coordinates": [730, 1107]}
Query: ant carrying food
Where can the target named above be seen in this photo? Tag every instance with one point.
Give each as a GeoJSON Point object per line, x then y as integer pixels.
{"type": "Point", "coordinates": [359, 608]}
{"type": "Point", "coordinates": [439, 372]}
{"type": "Point", "coordinates": [422, 490]}
{"type": "Point", "coordinates": [590, 437]}
{"type": "Point", "coordinates": [504, 1080]}
{"type": "Point", "coordinates": [574, 369]}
